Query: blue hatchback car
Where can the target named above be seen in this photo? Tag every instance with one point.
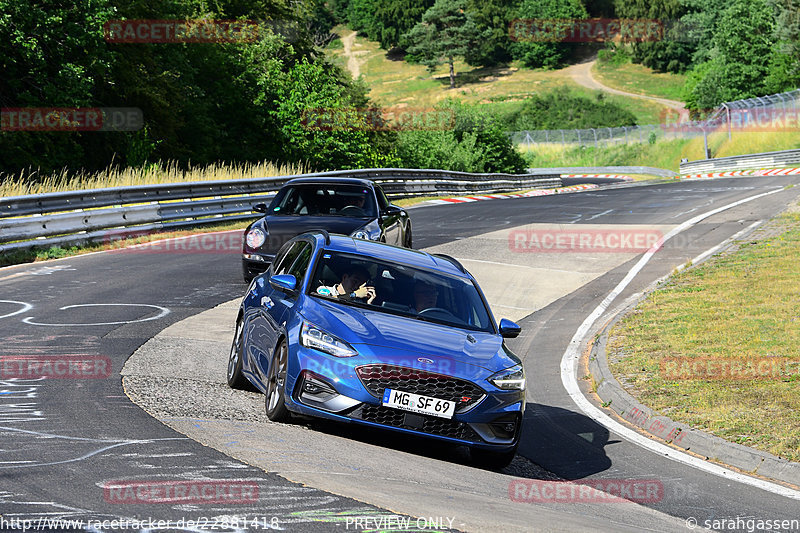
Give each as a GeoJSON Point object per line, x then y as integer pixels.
{"type": "Point", "coordinates": [369, 333]}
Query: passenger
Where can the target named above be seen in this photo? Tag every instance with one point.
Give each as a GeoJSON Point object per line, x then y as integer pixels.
{"type": "Point", "coordinates": [353, 287]}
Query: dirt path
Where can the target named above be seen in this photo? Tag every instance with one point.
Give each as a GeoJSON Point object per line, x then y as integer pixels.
{"type": "Point", "coordinates": [349, 41]}
{"type": "Point", "coordinates": [582, 75]}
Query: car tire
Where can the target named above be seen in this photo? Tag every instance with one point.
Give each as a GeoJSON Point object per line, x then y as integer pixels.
{"type": "Point", "coordinates": [236, 379]}
{"type": "Point", "coordinates": [275, 402]}
{"type": "Point", "coordinates": [408, 240]}
{"type": "Point", "coordinates": [491, 459]}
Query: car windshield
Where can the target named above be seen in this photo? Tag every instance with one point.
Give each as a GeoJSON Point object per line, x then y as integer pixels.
{"type": "Point", "coordinates": [325, 200]}
{"type": "Point", "coordinates": [400, 289]}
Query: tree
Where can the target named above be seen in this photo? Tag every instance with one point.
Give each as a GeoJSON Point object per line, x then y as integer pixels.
{"type": "Point", "coordinates": [544, 54]}
{"type": "Point", "coordinates": [739, 65]}
{"type": "Point", "coordinates": [784, 70]}
{"type": "Point", "coordinates": [447, 31]}
{"type": "Point", "coordinates": [493, 17]}
{"type": "Point", "coordinates": [393, 18]}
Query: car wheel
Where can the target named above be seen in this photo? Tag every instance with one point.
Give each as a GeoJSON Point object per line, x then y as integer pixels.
{"type": "Point", "coordinates": [491, 459]}
{"type": "Point", "coordinates": [236, 379]}
{"type": "Point", "coordinates": [276, 385]}
{"type": "Point", "coordinates": [408, 241]}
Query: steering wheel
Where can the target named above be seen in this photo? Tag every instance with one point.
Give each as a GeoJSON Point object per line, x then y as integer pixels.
{"type": "Point", "coordinates": [352, 210]}
{"type": "Point", "coordinates": [437, 311]}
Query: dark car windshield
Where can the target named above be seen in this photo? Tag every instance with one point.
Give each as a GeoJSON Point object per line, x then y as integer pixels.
{"type": "Point", "coordinates": [400, 289]}
{"type": "Point", "coordinates": [325, 200]}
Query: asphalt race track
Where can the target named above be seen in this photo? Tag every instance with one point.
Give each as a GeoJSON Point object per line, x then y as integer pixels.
{"type": "Point", "coordinates": [68, 446]}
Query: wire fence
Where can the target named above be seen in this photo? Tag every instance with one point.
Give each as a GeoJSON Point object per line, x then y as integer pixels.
{"type": "Point", "coordinates": [764, 113]}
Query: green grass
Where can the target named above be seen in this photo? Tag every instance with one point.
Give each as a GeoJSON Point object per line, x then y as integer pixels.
{"type": "Point", "coordinates": [396, 82]}
{"type": "Point", "coordinates": [663, 154]}
{"type": "Point", "coordinates": [638, 79]}
{"type": "Point", "coordinates": [738, 307]}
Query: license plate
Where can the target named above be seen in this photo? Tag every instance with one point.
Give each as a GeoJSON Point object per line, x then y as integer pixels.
{"type": "Point", "coordinates": [416, 403]}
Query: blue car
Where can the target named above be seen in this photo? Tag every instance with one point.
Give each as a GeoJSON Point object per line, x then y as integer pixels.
{"type": "Point", "coordinates": [369, 333]}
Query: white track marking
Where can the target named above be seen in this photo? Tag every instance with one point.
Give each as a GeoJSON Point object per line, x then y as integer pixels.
{"type": "Point", "coordinates": [25, 307]}
{"type": "Point", "coordinates": [163, 312]}
{"type": "Point", "coordinates": [569, 377]}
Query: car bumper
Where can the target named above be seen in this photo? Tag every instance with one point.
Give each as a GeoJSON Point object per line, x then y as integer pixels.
{"type": "Point", "coordinates": [254, 264]}
{"type": "Point", "coordinates": [338, 394]}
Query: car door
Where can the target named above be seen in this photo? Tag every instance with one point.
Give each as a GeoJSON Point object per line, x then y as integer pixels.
{"type": "Point", "coordinates": [268, 316]}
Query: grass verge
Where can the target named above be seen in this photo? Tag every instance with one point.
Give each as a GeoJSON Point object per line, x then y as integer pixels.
{"type": "Point", "coordinates": [31, 182]}
{"type": "Point", "coordinates": [638, 79]}
{"type": "Point", "coordinates": [738, 309]}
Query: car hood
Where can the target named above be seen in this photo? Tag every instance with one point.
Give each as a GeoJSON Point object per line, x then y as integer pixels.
{"type": "Point", "coordinates": [357, 325]}
{"type": "Point", "coordinates": [283, 228]}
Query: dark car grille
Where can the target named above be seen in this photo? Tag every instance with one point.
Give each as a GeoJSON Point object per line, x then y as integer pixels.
{"type": "Point", "coordinates": [428, 424]}
{"type": "Point", "coordinates": [376, 378]}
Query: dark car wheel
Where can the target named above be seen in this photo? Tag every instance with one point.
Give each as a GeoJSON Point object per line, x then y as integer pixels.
{"type": "Point", "coordinates": [276, 385]}
{"type": "Point", "coordinates": [408, 240]}
{"type": "Point", "coordinates": [491, 459]}
{"type": "Point", "coordinates": [236, 379]}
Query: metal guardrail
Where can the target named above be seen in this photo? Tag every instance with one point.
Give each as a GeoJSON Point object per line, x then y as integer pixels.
{"type": "Point", "coordinates": [652, 171]}
{"type": "Point", "coordinates": [782, 158]}
{"type": "Point", "coordinates": [54, 219]}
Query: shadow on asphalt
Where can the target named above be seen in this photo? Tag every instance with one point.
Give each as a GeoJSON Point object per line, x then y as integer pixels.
{"type": "Point", "coordinates": [568, 444]}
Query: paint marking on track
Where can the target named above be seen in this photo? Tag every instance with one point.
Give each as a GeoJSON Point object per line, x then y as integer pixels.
{"type": "Point", "coordinates": [569, 375]}
{"type": "Point", "coordinates": [25, 307]}
{"type": "Point", "coordinates": [163, 311]}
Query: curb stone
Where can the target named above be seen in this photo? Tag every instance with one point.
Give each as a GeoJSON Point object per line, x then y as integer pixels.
{"type": "Point", "coordinates": [713, 448]}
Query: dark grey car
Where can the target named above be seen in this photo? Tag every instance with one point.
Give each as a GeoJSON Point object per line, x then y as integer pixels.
{"type": "Point", "coordinates": [348, 206]}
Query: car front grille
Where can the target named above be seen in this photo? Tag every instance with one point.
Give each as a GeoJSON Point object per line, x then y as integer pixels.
{"type": "Point", "coordinates": [376, 378]}
{"type": "Point", "coordinates": [428, 424]}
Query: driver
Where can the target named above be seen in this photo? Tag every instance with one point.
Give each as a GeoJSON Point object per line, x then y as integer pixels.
{"type": "Point", "coordinates": [425, 296]}
{"type": "Point", "coordinates": [353, 286]}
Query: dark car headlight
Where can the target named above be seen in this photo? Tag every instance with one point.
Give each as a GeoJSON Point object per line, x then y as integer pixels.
{"type": "Point", "coordinates": [313, 337]}
{"type": "Point", "coordinates": [370, 232]}
{"type": "Point", "coordinates": [255, 238]}
{"type": "Point", "coordinates": [509, 379]}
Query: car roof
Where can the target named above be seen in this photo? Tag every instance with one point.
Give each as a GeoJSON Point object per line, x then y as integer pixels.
{"type": "Point", "coordinates": [330, 180]}
{"type": "Point", "coordinates": [388, 252]}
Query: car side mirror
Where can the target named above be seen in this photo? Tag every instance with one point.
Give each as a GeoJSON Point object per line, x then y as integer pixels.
{"type": "Point", "coordinates": [509, 329]}
{"type": "Point", "coordinates": [260, 208]}
{"type": "Point", "coordinates": [283, 282]}
{"type": "Point", "coordinates": [392, 210]}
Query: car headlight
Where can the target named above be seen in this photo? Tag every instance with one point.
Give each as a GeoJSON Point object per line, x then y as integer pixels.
{"type": "Point", "coordinates": [370, 232]}
{"type": "Point", "coordinates": [509, 379]}
{"type": "Point", "coordinates": [255, 238]}
{"type": "Point", "coordinates": [313, 337]}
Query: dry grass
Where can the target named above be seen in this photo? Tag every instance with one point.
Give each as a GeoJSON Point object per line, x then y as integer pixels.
{"type": "Point", "coordinates": [739, 307]}
{"type": "Point", "coordinates": [32, 182]}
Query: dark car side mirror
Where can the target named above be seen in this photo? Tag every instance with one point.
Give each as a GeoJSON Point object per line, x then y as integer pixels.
{"type": "Point", "coordinates": [509, 329]}
{"type": "Point", "coordinates": [260, 208]}
{"type": "Point", "coordinates": [283, 282]}
{"type": "Point", "coordinates": [392, 210]}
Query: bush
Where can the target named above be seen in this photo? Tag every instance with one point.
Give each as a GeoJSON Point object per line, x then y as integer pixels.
{"type": "Point", "coordinates": [561, 109]}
